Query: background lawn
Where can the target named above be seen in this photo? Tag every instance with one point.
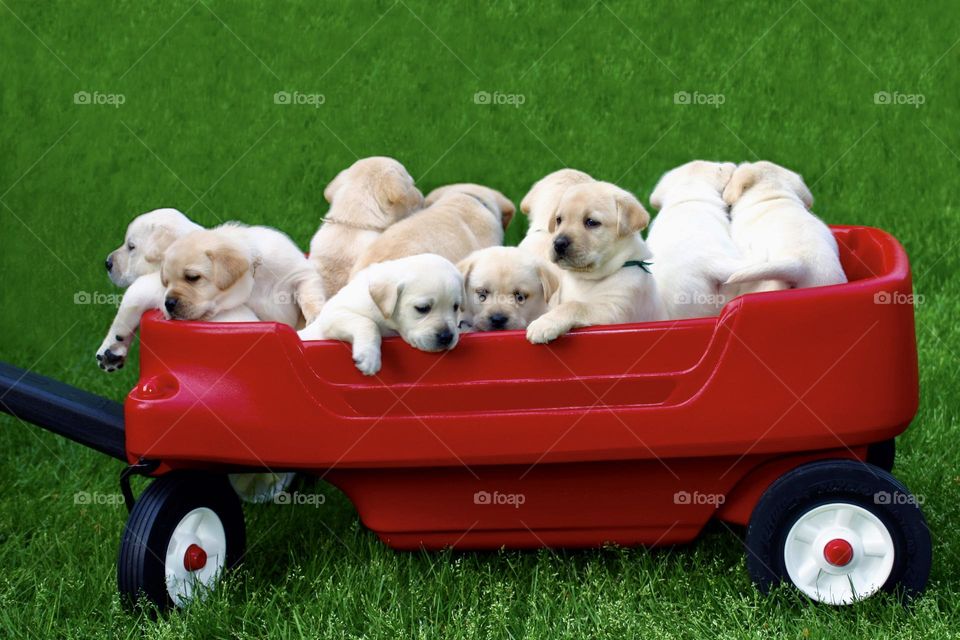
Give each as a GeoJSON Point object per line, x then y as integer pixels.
{"type": "Point", "coordinates": [199, 129]}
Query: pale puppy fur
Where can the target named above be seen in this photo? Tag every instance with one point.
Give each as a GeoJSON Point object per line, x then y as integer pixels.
{"type": "Point", "coordinates": [417, 297]}
{"type": "Point", "coordinates": [693, 253]}
{"type": "Point", "coordinates": [460, 220]}
{"type": "Point", "coordinates": [365, 198]}
{"type": "Point", "coordinates": [786, 245]}
{"type": "Point", "coordinates": [135, 265]}
{"type": "Point", "coordinates": [596, 231]}
{"type": "Point", "coordinates": [506, 288]}
{"type": "Point", "coordinates": [211, 271]}
{"type": "Point", "coordinates": [540, 207]}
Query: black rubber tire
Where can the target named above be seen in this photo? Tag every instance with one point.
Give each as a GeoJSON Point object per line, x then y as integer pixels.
{"type": "Point", "coordinates": [882, 454]}
{"type": "Point", "coordinates": [817, 483]}
{"type": "Point", "coordinates": [143, 547]}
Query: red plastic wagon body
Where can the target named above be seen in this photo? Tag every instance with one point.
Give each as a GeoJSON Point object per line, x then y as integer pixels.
{"type": "Point", "coordinates": [634, 434]}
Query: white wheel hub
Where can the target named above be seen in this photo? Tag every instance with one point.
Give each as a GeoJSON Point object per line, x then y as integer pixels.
{"type": "Point", "coordinates": [258, 488]}
{"type": "Point", "coordinates": [196, 555]}
{"type": "Point", "coordinates": [838, 553]}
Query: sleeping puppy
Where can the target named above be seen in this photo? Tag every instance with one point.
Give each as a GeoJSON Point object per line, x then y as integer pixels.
{"type": "Point", "coordinates": [506, 288]}
{"type": "Point", "coordinates": [135, 265]}
{"type": "Point", "coordinates": [540, 206]}
{"type": "Point", "coordinates": [597, 244]}
{"type": "Point", "coordinates": [786, 244]}
{"type": "Point", "coordinates": [365, 199]}
{"type": "Point", "coordinates": [460, 220]}
{"type": "Point", "coordinates": [208, 272]}
{"type": "Point", "coordinates": [418, 297]}
{"type": "Point", "coordinates": [690, 240]}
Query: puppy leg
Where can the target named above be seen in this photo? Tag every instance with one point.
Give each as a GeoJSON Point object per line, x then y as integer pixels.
{"type": "Point", "coordinates": [310, 295]}
{"type": "Point", "coordinates": [558, 321]}
{"type": "Point", "coordinates": [145, 294]}
{"type": "Point", "coordinates": [364, 334]}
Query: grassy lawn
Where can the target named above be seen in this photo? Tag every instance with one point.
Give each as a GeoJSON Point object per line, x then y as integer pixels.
{"type": "Point", "coordinates": [592, 85]}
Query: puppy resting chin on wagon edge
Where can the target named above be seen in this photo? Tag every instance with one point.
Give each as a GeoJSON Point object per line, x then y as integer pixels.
{"type": "Point", "coordinates": [605, 276]}
{"type": "Point", "coordinates": [417, 297]}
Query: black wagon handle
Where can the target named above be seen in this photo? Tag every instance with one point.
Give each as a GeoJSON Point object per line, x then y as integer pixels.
{"type": "Point", "coordinates": [86, 418]}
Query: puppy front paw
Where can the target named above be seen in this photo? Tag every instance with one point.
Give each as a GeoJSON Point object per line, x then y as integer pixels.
{"type": "Point", "coordinates": [544, 330]}
{"type": "Point", "coordinates": [112, 355]}
{"type": "Point", "coordinates": [367, 360]}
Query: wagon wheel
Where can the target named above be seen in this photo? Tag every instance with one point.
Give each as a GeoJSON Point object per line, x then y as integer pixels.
{"type": "Point", "coordinates": [839, 531]}
{"type": "Point", "coordinates": [184, 531]}
{"type": "Point", "coordinates": [257, 488]}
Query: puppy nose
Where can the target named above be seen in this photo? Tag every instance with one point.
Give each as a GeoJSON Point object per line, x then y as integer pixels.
{"type": "Point", "coordinates": [498, 321]}
{"type": "Point", "coordinates": [170, 304]}
{"type": "Point", "coordinates": [561, 244]}
{"type": "Point", "coordinates": [109, 263]}
{"type": "Point", "coordinates": [445, 337]}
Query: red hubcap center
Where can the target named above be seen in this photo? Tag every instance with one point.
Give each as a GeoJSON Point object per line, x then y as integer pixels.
{"type": "Point", "coordinates": [838, 552]}
{"type": "Point", "coordinates": [195, 558]}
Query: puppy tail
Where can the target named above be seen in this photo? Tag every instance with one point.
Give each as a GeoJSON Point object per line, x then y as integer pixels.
{"type": "Point", "coordinates": [790, 271]}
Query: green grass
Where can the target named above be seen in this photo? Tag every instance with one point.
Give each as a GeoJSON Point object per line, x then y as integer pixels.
{"type": "Point", "coordinates": [199, 130]}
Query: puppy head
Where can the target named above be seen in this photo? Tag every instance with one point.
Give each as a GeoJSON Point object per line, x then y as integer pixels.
{"type": "Point", "coordinates": [205, 273]}
{"type": "Point", "coordinates": [544, 196]}
{"type": "Point", "coordinates": [506, 288]}
{"type": "Point", "coordinates": [699, 174]}
{"type": "Point", "coordinates": [377, 191]}
{"type": "Point", "coordinates": [591, 224]}
{"type": "Point", "coordinates": [421, 298]}
{"type": "Point", "coordinates": [769, 176]}
{"type": "Point", "coordinates": [491, 198]}
{"type": "Point", "coordinates": [144, 244]}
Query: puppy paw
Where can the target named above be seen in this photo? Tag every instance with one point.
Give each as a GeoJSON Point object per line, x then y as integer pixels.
{"type": "Point", "coordinates": [544, 330]}
{"type": "Point", "coordinates": [112, 355]}
{"type": "Point", "coordinates": [367, 360]}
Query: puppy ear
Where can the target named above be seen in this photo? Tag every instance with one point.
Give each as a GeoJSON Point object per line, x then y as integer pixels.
{"type": "Point", "coordinates": [229, 265]}
{"type": "Point", "coordinates": [385, 293]}
{"type": "Point", "coordinates": [804, 192]}
{"type": "Point", "coordinates": [631, 216]}
{"type": "Point", "coordinates": [552, 225]}
{"type": "Point", "coordinates": [656, 198]}
{"type": "Point", "coordinates": [549, 280]}
{"type": "Point", "coordinates": [744, 177]}
{"type": "Point", "coordinates": [394, 188]}
{"type": "Point", "coordinates": [161, 238]}
{"type": "Point", "coordinates": [465, 266]}
{"type": "Point", "coordinates": [335, 184]}
{"type": "Point", "coordinates": [507, 209]}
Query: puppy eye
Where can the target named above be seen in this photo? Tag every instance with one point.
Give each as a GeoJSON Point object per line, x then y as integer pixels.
{"type": "Point", "coordinates": [191, 277]}
{"type": "Point", "coordinates": [590, 223]}
{"type": "Point", "coordinates": [481, 294]}
{"type": "Point", "coordinates": [456, 307]}
{"type": "Point", "coordinates": [423, 308]}
{"type": "Point", "coordinates": [130, 246]}
{"type": "Point", "coordinates": [559, 219]}
{"type": "Point", "coordinates": [519, 297]}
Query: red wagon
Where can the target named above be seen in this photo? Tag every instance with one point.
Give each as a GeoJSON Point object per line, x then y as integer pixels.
{"type": "Point", "coordinates": [779, 415]}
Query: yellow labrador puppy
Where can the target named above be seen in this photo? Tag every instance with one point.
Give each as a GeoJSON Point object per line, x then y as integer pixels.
{"type": "Point", "coordinates": [418, 297]}
{"type": "Point", "coordinates": [540, 207]}
{"type": "Point", "coordinates": [506, 288]}
{"type": "Point", "coordinates": [771, 224]}
{"type": "Point", "coordinates": [211, 271]}
{"type": "Point", "coordinates": [365, 199]}
{"type": "Point", "coordinates": [460, 220]}
{"type": "Point", "coordinates": [135, 265]}
{"type": "Point", "coordinates": [606, 278]}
